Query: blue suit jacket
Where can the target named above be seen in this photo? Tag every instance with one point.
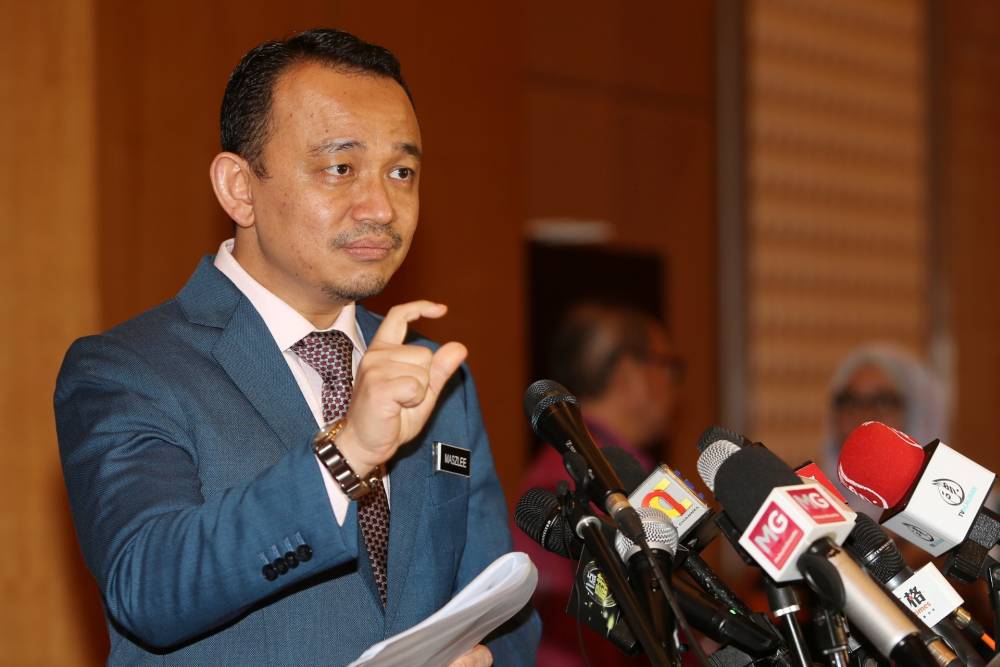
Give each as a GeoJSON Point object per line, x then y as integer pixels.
{"type": "Point", "coordinates": [185, 445]}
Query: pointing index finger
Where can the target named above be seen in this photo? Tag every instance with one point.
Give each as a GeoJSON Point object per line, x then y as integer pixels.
{"type": "Point", "coordinates": [393, 329]}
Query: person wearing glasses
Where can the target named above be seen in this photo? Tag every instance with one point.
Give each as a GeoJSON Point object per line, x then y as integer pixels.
{"type": "Point", "coordinates": [620, 364]}
{"type": "Point", "coordinates": [882, 382]}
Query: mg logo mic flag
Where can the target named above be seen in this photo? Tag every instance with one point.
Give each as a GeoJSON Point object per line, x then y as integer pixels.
{"type": "Point", "coordinates": [789, 520]}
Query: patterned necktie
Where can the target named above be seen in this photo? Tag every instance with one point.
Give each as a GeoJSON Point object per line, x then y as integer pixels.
{"type": "Point", "coordinates": [330, 354]}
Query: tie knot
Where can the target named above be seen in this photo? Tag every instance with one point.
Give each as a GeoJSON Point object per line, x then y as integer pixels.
{"type": "Point", "coordinates": [329, 353]}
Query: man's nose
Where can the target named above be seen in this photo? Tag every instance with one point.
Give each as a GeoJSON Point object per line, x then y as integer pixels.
{"type": "Point", "coordinates": [372, 203]}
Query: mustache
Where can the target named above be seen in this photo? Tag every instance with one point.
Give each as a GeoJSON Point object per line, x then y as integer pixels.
{"type": "Point", "coordinates": [368, 230]}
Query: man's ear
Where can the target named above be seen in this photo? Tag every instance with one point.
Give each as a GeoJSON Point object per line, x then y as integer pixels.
{"type": "Point", "coordinates": [231, 176]}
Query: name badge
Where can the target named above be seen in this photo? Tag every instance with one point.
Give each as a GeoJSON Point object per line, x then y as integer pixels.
{"type": "Point", "coordinates": [449, 458]}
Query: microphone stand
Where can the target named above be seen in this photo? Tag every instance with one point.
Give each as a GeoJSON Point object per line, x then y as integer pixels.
{"type": "Point", "coordinates": [589, 528]}
{"type": "Point", "coordinates": [832, 634]}
{"type": "Point", "coordinates": [784, 602]}
{"type": "Point", "coordinates": [828, 619]}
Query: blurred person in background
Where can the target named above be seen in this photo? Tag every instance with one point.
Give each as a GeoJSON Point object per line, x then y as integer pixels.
{"type": "Point", "coordinates": [882, 382]}
{"type": "Point", "coordinates": [619, 363]}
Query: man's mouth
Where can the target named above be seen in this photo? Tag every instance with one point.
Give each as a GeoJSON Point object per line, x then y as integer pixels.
{"type": "Point", "coordinates": [369, 249]}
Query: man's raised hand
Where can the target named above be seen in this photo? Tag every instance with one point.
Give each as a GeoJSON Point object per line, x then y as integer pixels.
{"type": "Point", "coordinates": [396, 388]}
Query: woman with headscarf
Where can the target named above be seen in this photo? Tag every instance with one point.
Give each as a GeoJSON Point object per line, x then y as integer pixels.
{"type": "Point", "coordinates": [882, 382]}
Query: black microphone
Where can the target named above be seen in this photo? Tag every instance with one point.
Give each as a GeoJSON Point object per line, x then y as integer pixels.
{"type": "Point", "coordinates": [880, 556]}
{"type": "Point", "coordinates": [743, 479]}
{"type": "Point", "coordinates": [555, 417]}
{"type": "Point", "coordinates": [722, 624]}
{"type": "Point", "coordinates": [539, 515]}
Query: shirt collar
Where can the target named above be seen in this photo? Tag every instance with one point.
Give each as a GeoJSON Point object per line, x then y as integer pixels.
{"type": "Point", "coordinates": [286, 324]}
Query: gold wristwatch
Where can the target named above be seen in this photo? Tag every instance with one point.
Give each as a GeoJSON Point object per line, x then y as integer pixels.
{"type": "Point", "coordinates": [325, 447]}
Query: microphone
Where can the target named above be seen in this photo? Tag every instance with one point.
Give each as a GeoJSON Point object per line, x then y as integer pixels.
{"type": "Point", "coordinates": [721, 623]}
{"type": "Point", "coordinates": [933, 495]}
{"type": "Point", "coordinates": [927, 594]}
{"type": "Point", "coordinates": [554, 415]}
{"type": "Point", "coordinates": [792, 531]}
{"type": "Point", "coordinates": [539, 515]}
{"type": "Point", "coordinates": [667, 492]}
{"type": "Point", "coordinates": [869, 544]}
{"type": "Point", "coordinates": [661, 537]}
{"type": "Point", "coordinates": [724, 625]}
{"type": "Point", "coordinates": [604, 583]}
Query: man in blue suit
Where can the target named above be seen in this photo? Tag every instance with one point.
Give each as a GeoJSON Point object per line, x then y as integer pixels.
{"type": "Point", "coordinates": [221, 529]}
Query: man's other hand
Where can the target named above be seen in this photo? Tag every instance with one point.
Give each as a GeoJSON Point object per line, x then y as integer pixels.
{"type": "Point", "coordinates": [480, 656]}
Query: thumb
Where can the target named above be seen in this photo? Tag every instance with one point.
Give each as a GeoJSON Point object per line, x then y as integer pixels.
{"type": "Point", "coordinates": [444, 363]}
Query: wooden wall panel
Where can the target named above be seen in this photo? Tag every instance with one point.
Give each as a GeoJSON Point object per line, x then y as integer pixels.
{"type": "Point", "coordinates": [162, 69]}
{"type": "Point", "coordinates": [837, 188]}
{"type": "Point", "coordinates": [620, 126]}
{"type": "Point", "coordinates": [968, 170]}
{"type": "Point", "coordinates": [462, 61]}
{"type": "Point", "coordinates": [48, 296]}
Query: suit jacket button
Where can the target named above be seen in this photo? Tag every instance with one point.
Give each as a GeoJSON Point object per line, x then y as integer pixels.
{"type": "Point", "coordinates": [280, 565]}
{"type": "Point", "coordinates": [304, 552]}
{"type": "Point", "coordinates": [269, 572]}
{"type": "Point", "coordinates": [291, 560]}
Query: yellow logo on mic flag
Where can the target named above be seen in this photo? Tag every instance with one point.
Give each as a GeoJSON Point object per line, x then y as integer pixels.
{"type": "Point", "coordinates": [665, 491]}
{"type": "Point", "coordinates": [662, 501]}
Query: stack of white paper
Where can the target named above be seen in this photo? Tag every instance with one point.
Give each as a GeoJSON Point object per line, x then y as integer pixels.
{"type": "Point", "coordinates": [499, 592]}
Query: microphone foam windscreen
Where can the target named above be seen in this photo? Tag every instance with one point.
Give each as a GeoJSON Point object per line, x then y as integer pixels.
{"type": "Point", "coordinates": [660, 534]}
{"type": "Point", "coordinates": [629, 470]}
{"type": "Point", "coordinates": [744, 480]}
{"type": "Point", "coordinates": [879, 463]}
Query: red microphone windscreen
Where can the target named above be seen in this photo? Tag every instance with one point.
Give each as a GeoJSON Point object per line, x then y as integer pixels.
{"type": "Point", "coordinates": [879, 463]}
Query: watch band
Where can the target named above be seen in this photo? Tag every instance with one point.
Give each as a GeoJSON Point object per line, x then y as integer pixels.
{"type": "Point", "coordinates": [325, 447]}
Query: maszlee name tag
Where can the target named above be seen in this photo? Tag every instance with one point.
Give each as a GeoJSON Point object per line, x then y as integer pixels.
{"type": "Point", "coordinates": [449, 458]}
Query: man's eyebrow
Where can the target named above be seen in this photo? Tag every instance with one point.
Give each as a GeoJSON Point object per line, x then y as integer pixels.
{"type": "Point", "coordinates": [410, 149]}
{"type": "Point", "coordinates": [336, 146]}
{"type": "Point", "coordinates": [341, 145]}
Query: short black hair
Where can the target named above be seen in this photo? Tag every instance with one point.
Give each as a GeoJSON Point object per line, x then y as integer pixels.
{"type": "Point", "coordinates": [246, 105]}
{"type": "Point", "coordinates": [591, 339]}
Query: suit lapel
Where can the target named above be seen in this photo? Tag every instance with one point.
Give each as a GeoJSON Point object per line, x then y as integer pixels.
{"type": "Point", "coordinates": [409, 471]}
{"type": "Point", "coordinates": [247, 352]}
